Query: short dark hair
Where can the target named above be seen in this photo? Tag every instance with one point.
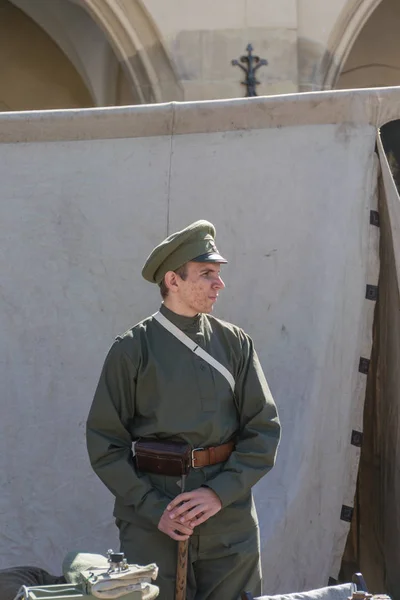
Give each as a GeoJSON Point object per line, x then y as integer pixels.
{"type": "Point", "coordinates": [181, 271]}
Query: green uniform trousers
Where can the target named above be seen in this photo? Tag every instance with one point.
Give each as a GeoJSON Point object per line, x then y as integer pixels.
{"type": "Point", "coordinates": [221, 566]}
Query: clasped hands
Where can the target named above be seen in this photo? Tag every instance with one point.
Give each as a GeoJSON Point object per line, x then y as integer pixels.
{"type": "Point", "coordinates": [188, 510]}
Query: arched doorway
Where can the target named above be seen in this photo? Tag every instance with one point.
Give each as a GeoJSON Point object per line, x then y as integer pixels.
{"type": "Point", "coordinates": [34, 73]}
{"type": "Point", "coordinates": [111, 48]}
{"type": "Point", "coordinates": [374, 59]}
{"type": "Point", "coordinates": [350, 23]}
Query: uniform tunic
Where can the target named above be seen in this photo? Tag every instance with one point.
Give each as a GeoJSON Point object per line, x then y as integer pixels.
{"type": "Point", "coordinates": [152, 386]}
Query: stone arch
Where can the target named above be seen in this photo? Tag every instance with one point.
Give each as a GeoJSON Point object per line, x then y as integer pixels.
{"type": "Point", "coordinates": [135, 45]}
{"type": "Point", "coordinates": [374, 59]}
{"type": "Point", "coordinates": [138, 46]}
{"type": "Point", "coordinates": [35, 72]}
{"type": "Point", "coordinates": [343, 36]}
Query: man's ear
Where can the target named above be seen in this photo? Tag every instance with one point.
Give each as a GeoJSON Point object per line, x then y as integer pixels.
{"type": "Point", "coordinates": [171, 281]}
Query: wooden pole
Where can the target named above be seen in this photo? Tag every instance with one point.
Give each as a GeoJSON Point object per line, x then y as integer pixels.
{"type": "Point", "coordinates": [182, 561]}
{"type": "Point", "coordinates": [181, 570]}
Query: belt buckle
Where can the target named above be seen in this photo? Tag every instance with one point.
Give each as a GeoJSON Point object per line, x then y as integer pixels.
{"type": "Point", "coordinates": [193, 457]}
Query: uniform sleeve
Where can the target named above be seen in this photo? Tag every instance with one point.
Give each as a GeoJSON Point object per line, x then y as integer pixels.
{"type": "Point", "coordinates": [109, 440]}
{"type": "Point", "coordinates": [259, 433]}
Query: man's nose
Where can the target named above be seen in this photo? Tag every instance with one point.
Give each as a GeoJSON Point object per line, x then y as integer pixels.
{"type": "Point", "coordinates": [218, 283]}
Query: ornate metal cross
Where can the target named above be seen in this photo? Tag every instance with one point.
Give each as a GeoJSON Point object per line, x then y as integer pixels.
{"type": "Point", "coordinates": [253, 64]}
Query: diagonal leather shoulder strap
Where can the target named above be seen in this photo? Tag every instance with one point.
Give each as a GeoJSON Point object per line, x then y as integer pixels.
{"type": "Point", "coordinates": [182, 337]}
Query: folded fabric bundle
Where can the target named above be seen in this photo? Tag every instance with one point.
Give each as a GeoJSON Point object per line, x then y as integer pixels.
{"type": "Point", "coordinates": [334, 592]}
{"type": "Point", "coordinates": [93, 571]}
{"type": "Point", "coordinates": [75, 563]}
{"type": "Point", "coordinates": [145, 591]}
{"type": "Point", "coordinates": [134, 578]}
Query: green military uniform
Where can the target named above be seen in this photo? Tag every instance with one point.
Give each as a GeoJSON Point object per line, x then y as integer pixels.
{"type": "Point", "coordinates": [152, 386]}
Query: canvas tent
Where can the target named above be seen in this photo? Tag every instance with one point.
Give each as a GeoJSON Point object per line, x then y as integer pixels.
{"type": "Point", "coordinates": [293, 186]}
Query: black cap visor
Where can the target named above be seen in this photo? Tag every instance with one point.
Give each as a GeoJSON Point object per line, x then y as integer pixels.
{"type": "Point", "coordinates": [210, 257]}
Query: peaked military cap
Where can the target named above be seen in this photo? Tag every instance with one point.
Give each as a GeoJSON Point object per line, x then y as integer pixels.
{"type": "Point", "coordinates": [194, 243]}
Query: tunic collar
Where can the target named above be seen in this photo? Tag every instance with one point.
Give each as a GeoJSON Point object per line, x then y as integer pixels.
{"type": "Point", "coordinates": [184, 323]}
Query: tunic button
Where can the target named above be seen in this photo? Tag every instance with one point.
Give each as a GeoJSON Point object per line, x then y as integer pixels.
{"type": "Point", "coordinates": [202, 367]}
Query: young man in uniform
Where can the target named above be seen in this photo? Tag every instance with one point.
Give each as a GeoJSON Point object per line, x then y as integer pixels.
{"type": "Point", "coordinates": [153, 386]}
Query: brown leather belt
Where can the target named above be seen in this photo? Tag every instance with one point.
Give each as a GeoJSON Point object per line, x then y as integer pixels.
{"type": "Point", "coordinates": [204, 457]}
{"type": "Point", "coordinates": [176, 458]}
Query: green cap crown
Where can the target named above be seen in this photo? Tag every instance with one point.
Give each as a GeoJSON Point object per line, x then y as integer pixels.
{"type": "Point", "coordinates": [194, 242]}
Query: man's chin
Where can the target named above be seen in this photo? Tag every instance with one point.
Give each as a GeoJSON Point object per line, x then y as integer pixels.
{"type": "Point", "coordinates": [206, 309]}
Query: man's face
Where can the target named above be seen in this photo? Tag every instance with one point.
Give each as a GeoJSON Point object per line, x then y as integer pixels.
{"type": "Point", "coordinates": [199, 291]}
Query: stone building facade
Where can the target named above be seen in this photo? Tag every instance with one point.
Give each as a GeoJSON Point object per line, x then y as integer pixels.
{"type": "Point", "coordinates": [80, 53]}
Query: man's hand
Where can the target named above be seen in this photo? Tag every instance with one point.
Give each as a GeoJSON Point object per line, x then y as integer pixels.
{"type": "Point", "coordinates": [174, 528]}
{"type": "Point", "coordinates": [194, 508]}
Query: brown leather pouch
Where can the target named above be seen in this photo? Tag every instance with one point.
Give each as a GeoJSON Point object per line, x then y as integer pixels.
{"type": "Point", "coordinates": [162, 457]}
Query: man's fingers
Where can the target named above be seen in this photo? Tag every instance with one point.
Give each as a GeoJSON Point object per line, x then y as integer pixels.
{"type": "Point", "coordinates": [178, 536]}
{"type": "Point", "coordinates": [181, 498]}
{"type": "Point", "coordinates": [194, 507]}
{"type": "Point", "coordinates": [183, 528]}
{"type": "Point", "coordinates": [193, 513]}
{"type": "Point", "coordinates": [202, 518]}
{"type": "Point", "coordinates": [176, 531]}
{"type": "Point", "coordinates": [182, 509]}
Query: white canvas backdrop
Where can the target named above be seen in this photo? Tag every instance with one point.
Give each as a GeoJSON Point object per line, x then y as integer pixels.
{"type": "Point", "coordinates": [78, 218]}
